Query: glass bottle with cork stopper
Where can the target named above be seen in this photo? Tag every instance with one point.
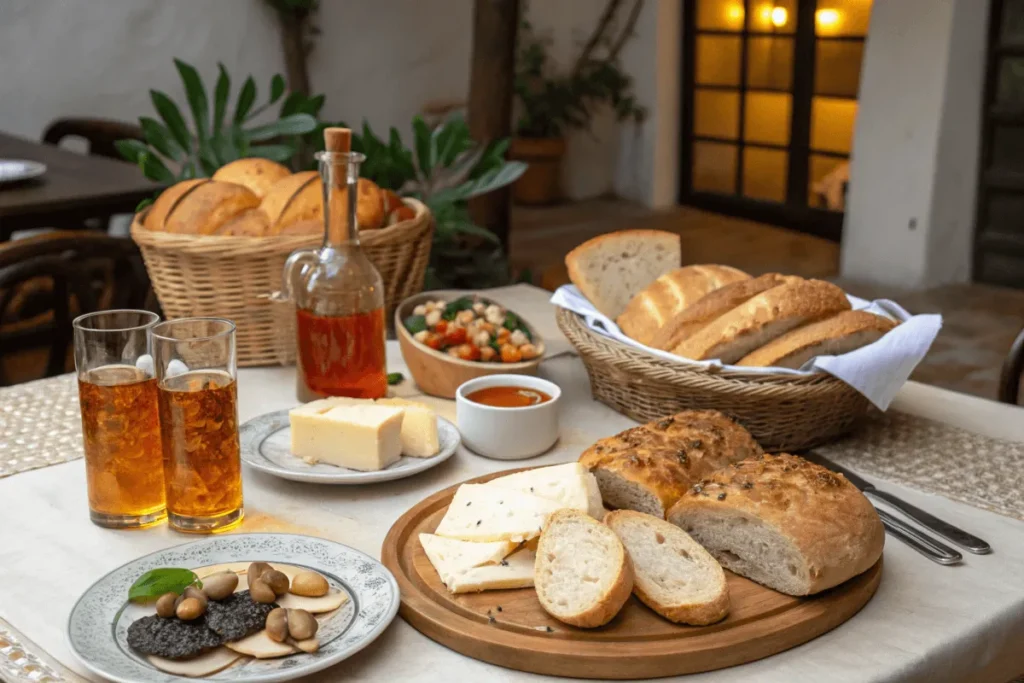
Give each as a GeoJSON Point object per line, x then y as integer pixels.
{"type": "Point", "coordinates": [338, 293]}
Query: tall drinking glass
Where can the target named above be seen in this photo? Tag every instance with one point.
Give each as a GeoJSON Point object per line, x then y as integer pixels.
{"type": "Point", "coordinates": [198, 398]}
{"type": "Point", "coordinates": [117, 391]}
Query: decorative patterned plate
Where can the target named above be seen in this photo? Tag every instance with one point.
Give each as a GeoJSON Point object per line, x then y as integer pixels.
{"type": "Point", "coordinates": [15, 170]}
{"type": "Point", "coordinates": [98, 626]}
{"type": "Point", "coordinates": [266, 446]}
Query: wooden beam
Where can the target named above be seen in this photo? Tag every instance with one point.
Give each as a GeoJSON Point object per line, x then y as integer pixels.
{"type": "Point", "coordinates": [489, 112]}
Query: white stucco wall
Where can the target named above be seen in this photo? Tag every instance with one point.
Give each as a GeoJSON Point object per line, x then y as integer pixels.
{"type": "Point", "coordinates": [377, 60]}
{"type": "Point", "coordinates": [910, 210]}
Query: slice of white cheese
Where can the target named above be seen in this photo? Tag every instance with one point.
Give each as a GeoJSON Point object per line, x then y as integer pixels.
{"type": "Point", "coordinates": [419, 428]}
{"type": "Point", "coordinates": [202, 665]}
{"type": "Point", "coordinates": [361, 437]}
{"type": "Point", "coordinates": [451, 556]}
{"type": "Point", "coordinates": [479, 512]}
{"type": "Point", "coordinates": [571, 485]}
{"type": "Point", "coordinates": [515, 571]}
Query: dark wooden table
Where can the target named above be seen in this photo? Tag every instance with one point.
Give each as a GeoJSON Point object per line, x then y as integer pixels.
{"type": "Point", "coordinates": [74, 187]}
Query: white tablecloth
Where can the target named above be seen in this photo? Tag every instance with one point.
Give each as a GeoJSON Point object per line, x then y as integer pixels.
{"type": "Point", "coordinates": [926, 623]}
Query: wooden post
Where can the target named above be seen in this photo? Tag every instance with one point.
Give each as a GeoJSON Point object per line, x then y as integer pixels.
{"type": "Point", "coordinates": [490, 98]}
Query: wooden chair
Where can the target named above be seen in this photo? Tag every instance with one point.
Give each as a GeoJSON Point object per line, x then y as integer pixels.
{"type": "Point", "coordinates": [101, 134]}
{"type": "Point", "coordinates": [48, 280]}
{"type": "Point", "coordinates": [1013, 366]}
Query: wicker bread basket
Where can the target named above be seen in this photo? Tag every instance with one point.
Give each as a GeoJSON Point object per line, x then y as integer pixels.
{"type": "Point", "coordinates": [234, 276]}
{"type": "Point", "coordinates": [783, 412]}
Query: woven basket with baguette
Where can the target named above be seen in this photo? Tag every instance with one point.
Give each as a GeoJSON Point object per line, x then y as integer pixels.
{"type": "Point", "coordinates": [706, 312]}
{"type": "Point", "coordinates": [217, 247]}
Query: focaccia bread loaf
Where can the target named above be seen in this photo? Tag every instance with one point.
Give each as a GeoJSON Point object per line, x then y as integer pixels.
{"type": "Point", "coordinates": [768, 315]}
{"type": "Point", "coordinates": [647, 468]}
{"type": "Point", "coordinates": [783, 522]}
{"type": "Point", "coordinates": [667, 296]}
{"type": "Point", "coordinates": [841, 333]}
{"type": "Point", "coordinates": [712, 305]}
{"type": "Point", "coordinates": [611, 268]}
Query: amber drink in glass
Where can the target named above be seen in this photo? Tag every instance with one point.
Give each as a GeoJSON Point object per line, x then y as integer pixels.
{"type": "Point", "coordinates": [120, 426]}
{"type": "Point", "coordinates": [198, 398]}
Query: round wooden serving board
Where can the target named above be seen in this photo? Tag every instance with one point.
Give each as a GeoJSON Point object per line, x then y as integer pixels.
{"type": "Point", "coordinates": [509, 628]}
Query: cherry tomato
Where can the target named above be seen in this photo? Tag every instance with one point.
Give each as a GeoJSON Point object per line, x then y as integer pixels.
{"type": "Point", "coordinates": [510, 354]}
{"type": "Point", "coordinates": [441, 327]}
{"type": "Point", "coordinates": [469, 352]}
{"type": "Point", "coordinates": [455, 336]}
{"type": "Point", "coordinates": [434, 340]}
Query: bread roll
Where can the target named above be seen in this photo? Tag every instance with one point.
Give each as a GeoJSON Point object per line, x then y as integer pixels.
{"type": "Point", "coordinates": [784, 522]}
{"type": "Point", "coordinates": [712, 305]}
{"type": "Point", "coordinates": [249, 223]}
{"type": "Point", "coordinates": [647, 468]}
{"type": "Point", "coordinates": [168, 199]}
{"type": "Point", "coordinates": [291, 199]}
{"type": "Point", "coordinates": [663, 299]}
{"type": "Point", "coordinates": [208, 206]}
{"type": "Point", "coordinates": [768, 315]}
{"type": "Point", "coordinates": [611, 268]}
{"type": "Point", "coordinates": [832, 336]}
{"type": "Point", "coordinates": [259, 175]}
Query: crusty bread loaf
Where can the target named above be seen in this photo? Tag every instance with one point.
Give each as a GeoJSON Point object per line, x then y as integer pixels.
{"type": "Point", "coordinates": [293, 199]}
{"type": "Point", "coordinates": [763, 318]}
{"type": "Point", "coordinates": [611, 268]}
{"type": "Point", "coordinates": [647, 468]}
{"type": "Point", "coordinates": [251, 223]}
{"type": "Point", "coordinates": [657, 303]}
{"type": "Point", "coordinates": [168, 199]}
{"type": "Point", "coordinates": [583, 575]}
{"type": "Point", "coordinates": [784, 522]}
{"type": "Point", "coordinates": [207, 206]}
{"type": "Point", "coordinates": [672, 573]}
{"type": "Point", "coordinates": [259, 175]}
{"type": "Point", "coordinates": [712, 305]}
{"type": "Point", "coordinates": [841, 333]}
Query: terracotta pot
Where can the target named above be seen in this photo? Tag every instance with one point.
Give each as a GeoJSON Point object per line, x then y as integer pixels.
{"type": "Point", "coordinates": [542, 181]}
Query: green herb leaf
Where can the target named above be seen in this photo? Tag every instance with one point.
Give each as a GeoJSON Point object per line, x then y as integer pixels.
{"type": "Point", "coordinates": [221, 92]}
{"type": "Point", "coordinates": [453, 307]}
{"type": "Point", "coordinates": [156, 582]}
{"type": "Point", "coordinates": [395, 378]}
{"type": "Point", "coordinates": [196, 95]}
{"type": "Point", "coordinates": [416, 323]}
{"type": "Point", "coordinates": [154, 169]}
{"type": "Point", "coordinates": [171, 116]}
{"type": "Point", "coordinates": [160, 138]}
{"type": "Point", "coordinates": [131, 150]}
{"type": "Point", "coordinates": [246, 97]}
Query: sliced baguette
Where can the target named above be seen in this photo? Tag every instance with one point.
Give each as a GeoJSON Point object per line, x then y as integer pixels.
{"type": "Point", "coordinates": [672, 573]}
{"type": "Point", "coordinates": [611, 268]}
{"type": "Point", "coordinates": [583, 575]}
{"type": "Point", "coordinates": [711, 306]}
{"type": "Point", "coordinates": [768, 315]}
{"type": "Point", "coordinates": [842, 333]}
{"type": "Point", "coordinates": [663, 299]}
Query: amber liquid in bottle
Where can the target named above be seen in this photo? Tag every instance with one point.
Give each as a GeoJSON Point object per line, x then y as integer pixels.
{"type": "Point", "coordinates": [337, 356]}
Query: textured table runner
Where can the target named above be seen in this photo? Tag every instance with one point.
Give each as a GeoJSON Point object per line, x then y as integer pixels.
{"type": "Point", "coordinates": [40, 424]}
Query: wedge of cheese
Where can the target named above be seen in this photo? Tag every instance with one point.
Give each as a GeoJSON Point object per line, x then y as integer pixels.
{"type": "Point", "coordinates": [361, 437]}
{"type": "Point", "coordinates": [451, 557]}
{"type": "Point", "coordinates": [515, 571]}
{"type": "Point", "coordinates": [571, 485]}
{"type": "Point", "coordinates": [419, 428]}
{"type": "Point", "coordinates": [479, 512]}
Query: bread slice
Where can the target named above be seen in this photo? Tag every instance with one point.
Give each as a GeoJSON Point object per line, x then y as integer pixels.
{"type": "Point", "coordinates": [672, 573]}
{"type": "Point", "coordinates": [842, 333]}
{"type": "Point", "coordinates": [583, 575]}
{"type": "Point", "coordinates": [647, 468]}
{"type": "Point", "coordinates": [611, 268]}
{"type": "Point", "coordinates": [712, 305]}
{"type": "Point", "coordinates": [784, 522]}
{"type": "Point", "coordinates": [768, 315]}
{"type": "Point", "coordinates": [660, 301]}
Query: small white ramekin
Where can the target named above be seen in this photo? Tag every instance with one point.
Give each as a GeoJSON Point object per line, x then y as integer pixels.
{"type": "Point", "coordinates": [508, 433]}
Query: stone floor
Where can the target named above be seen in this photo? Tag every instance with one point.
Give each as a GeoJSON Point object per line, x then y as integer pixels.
{"type": "Point", "coordinates": [980, 321]}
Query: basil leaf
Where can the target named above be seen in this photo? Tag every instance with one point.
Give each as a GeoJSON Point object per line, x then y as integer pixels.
{"type": "Point", "coordinates": [512, 321]}
{"type": "Point", "coordinates": [395, 378]}
{"type": "Point", "coordinates": [156, 582]}
{"type": "Point", "coordinates": [463, 304]}
{"type": "Point", "coordinates": [416, 323]}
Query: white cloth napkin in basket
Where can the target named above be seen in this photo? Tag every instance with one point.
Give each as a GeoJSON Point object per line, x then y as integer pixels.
{"type": "Point", "coordinates": [877, 370]}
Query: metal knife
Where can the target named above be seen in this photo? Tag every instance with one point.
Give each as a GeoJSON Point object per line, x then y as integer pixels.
{"type": "Point", "coordinates": [951, 533]}
{"type": "Point", "coordinates": [918, 540]}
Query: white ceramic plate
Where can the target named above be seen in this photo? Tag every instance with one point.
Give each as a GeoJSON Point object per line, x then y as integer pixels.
{"type": "Point", "coordinates": [266, 446]}
{"type": "Point", "coordinates": [15, 170]}
{"type": "Point", "coordinates": [98, 626]}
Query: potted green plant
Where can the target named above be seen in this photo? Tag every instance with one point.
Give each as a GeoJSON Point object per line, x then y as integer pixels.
{"type": "Point", "coordinates": [550, 103]}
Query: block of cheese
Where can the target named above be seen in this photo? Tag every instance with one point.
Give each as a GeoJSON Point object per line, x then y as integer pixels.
{"type": "Point", "coordinates": [479, 512]}
{"type": "Point", "coordinates": [571, 485]}
{"type": "Point", "coordinates": [451, 557]}
{"type": "Point", "coordinates": [361, 437]}
{"type": "Point", "coordinates": [419, 428]}
{"type": "Point", "coordinates": [515, 571]}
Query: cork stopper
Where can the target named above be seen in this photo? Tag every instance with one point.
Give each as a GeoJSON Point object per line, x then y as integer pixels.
{"type": "Point", "coordinates": [338, 140]}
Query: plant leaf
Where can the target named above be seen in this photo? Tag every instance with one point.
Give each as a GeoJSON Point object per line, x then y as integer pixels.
{"type": "Point", "coordinates": [172, 117]}
{"type": "Point", "coordinates": [296, 124]}
{"type": "Point", "coordinates": [195, 93]}
{"type": "Point", "coordinates": [221, 92]}
{"type": "Point", "coordinates": [424, 146]}
{"type": "Point", "coordinates": [208, 160]}
{"type": "Point", "coordinates": [246, 97]}
{"type": "Point", "coordinates": [160, 138]}
{"type": "Point", "coordinates": [276, 88]}
{"type": "Point", "coordinates": [223, 148]}
{"type": "Point", "coordinates": [279, 153]}
{"type": "Point", "coordinates": [155, 169]}
{"type": "Point", "coordinates": [292, 104]}
{"type": "Point", "coordinates": [131, 150]}
{"type": "Point", "coordinates": [492, 180]}
{"type": "Point", "coordinates": [395, 378]}
{"type": "Point", "coordinates": [156, 582]}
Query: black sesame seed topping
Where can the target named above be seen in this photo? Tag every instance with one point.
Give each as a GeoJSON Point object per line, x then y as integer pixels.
{"type": "Point", "coordinates": [696, 443]}
{"type": "Point", "coordinates": [748, 485]}
{"type": "Point", "coordinates": [503, 563]}
{"type": "Point", "coordinates": [469, 503]}
{"type": "Point", "coordinates": [478, 522]}
{"type": "Point", "coordinates": [499, 608]}
{"type": "Point", "coordinates": [549, 629]}
{"type": "Point", "coordinates": [490, 620]}
{"type": "Point", "coordinates": [721, 496]}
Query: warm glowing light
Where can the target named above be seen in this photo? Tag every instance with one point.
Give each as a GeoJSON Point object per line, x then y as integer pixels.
{"type": "Point", "coordinates": [779, 16]}
{"type": "Point", "coordinates": [735, 15]}
{"type": "Point", "coordinates": [827, 17]}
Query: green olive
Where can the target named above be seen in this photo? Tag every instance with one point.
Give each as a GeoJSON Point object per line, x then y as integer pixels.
{"type": "Point", "coordinates": [220, 585]}
{"type": "Point", "coordinates": [256, 570]}
{"type": "Point", "coordinates": [278, 581]}
{"type": "Point", "coordinates": [261, 592]}
{"type": "Point", "coordinates": [277, 625]}
{"type": "Point", "coordinates": [310, 584]}
{"type": "Point", "coordinates": [190, 608]}
{"type": "Point", "coordinates": [301, 624]}
{"type": "Point", "coordinates": [165, 605]}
